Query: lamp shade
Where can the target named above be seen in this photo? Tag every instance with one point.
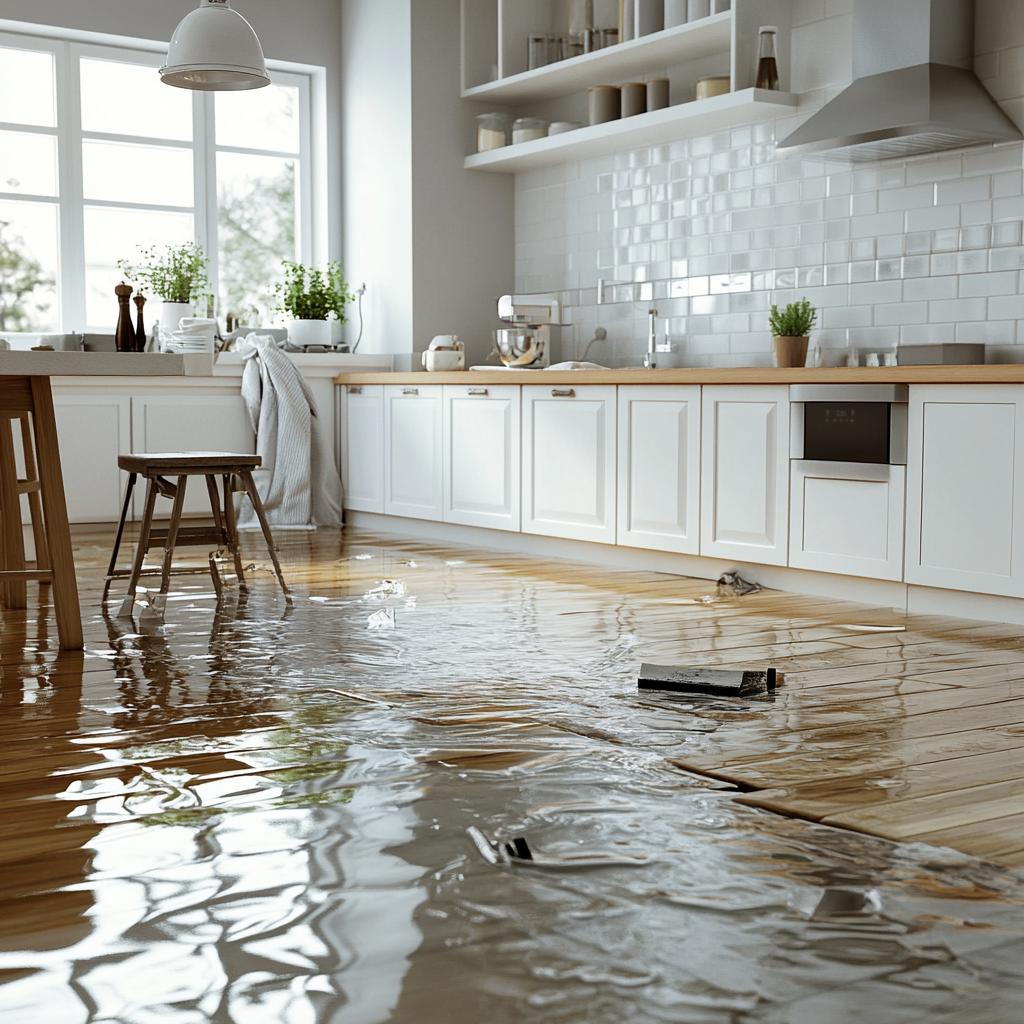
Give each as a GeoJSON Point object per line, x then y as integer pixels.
{"type": "Point", "coordinates": [216, 50]}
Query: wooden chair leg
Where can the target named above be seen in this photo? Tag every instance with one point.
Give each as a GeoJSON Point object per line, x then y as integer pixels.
{"type": "Point", "coordinates": [35, 506]}
{"type": "Point", "coordinates": [132, 477]}
{"type": "Point", "coordinates": [159, 602]}
{"type": "Point", "coordinates": [15, 591]}
{"type": "Point", "coordinates": [140, 552]}
{"type": "Point", "coordinates": [55, 511]}
{"type": "Point", "coordinates": [232, 531]}
{"type": "Point", "coordinates": [218, 519]}
{"type": "Point", "coordinates": [257, 504]}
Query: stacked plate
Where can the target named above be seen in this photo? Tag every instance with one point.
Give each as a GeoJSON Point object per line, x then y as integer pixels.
{"type": "Point", "coordinates": [194, 334]}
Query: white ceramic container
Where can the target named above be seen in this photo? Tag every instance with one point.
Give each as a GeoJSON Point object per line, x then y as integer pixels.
{"type": "Point", "coordinates": [302, 333]}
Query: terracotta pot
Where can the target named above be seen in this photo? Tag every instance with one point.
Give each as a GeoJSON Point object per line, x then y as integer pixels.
{"type": "Point", "coordinates": [791, 351]}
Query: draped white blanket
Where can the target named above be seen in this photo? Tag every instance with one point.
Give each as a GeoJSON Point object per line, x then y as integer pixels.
{"type": "Point", "coordinates": [300, 485]}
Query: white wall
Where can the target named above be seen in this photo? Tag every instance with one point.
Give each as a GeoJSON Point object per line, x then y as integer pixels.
{"type": "Point", "coordinates": [716, 228]}
{"type": "Point", "coordinates": [301, 31]}
{"type": "Point", "coordinates": [431, 240]}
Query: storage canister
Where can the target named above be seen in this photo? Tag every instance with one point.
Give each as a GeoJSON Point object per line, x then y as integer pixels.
{"type": "Point", "coordinates": [697, 9]}
{"type": "Point", "coordinates": [560, 127]}
{"type": "Point", "coordinates": [491, 132]}
{"type": "Point", "coordinates": [634, 98]}
{"type": "Point", "coordinates": [717, 86]}
{"type": "Point", "coordinates": [526, 129]}
{"type": "Point", "coordinates": [657, 93]}
{"type": "Point", "coordinates": [675, 13]}
{"type": "Point", "coordinates": [605, 103]}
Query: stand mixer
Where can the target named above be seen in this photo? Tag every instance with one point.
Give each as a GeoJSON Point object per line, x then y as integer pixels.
{"type": "Point", "coordinates": [528, 345]}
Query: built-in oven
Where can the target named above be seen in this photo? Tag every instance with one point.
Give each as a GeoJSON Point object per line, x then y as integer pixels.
{"type": "Point", "coordinates": [848, 456]}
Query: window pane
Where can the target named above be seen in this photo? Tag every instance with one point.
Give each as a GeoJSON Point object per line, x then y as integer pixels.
{"type": "Point", "coordinates": [126, 173]}
{"type": "Point", "coordinates": [112, 234]}
{"type": "Point", "coordinates": [27, 87]}
{"type": "Point", "coordinates": [28, 163]}
{"type": "Point", "coordinates": [28, 267]}
{"type": "Point", "coordinates": [256, 198]}
{"type": "Point", "coordinates": [130, 99]}
{"type": "Point", "coordinates": [261, 119]}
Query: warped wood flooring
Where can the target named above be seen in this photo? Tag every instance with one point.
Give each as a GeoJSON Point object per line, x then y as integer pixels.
{"type": "Point", "coordinates": [912, 734]}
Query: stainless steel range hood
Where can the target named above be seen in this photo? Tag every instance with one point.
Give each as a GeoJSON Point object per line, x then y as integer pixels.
{"type": "Point", "coordinates": [914, 88]}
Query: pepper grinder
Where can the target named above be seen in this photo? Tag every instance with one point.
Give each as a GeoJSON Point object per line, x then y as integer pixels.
{"type": "Point", "coordinates": [140, 327]}
{"type": "Point", "coordinates": [124, 336]}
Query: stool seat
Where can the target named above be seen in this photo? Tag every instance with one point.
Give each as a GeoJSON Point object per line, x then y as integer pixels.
{"type": "Point", "coordinates": [156, 468]}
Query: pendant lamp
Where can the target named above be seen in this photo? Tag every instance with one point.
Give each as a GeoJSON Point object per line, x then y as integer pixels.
{"type": "Point", "coordinates": [216, 50]}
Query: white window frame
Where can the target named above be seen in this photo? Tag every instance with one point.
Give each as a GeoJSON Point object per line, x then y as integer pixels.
{"type": "Point", "coordinates": [68, 47]}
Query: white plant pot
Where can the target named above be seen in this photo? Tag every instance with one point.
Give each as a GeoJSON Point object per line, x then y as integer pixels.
{"type": "Point", "coordinates": [170, 317]}
{"type": "Point", "coordinates": [302, 333]}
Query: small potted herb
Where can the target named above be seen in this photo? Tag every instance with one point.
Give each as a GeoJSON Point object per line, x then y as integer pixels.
{"type": "Point", "coordinates": [176, 274]}
{"type": "Point", "coordinates": [791, 329]}
{"type": "Point", "coordinates": [310, 296]}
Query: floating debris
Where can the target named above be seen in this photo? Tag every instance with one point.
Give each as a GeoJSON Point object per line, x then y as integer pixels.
{"type": "Point", "coordinates": [384, 619]}
{"type": "Point", "coordinates": [724, 681]}
{"type": "Point", "coordinates": [737, 585]}
{"type": "Point", "coordinates": [518, 852]}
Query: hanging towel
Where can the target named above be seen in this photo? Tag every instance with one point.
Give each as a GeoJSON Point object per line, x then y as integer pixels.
{"type": "Point", "coordinates": [301, 488]}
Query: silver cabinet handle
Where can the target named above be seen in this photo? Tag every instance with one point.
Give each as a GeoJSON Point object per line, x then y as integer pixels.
{"type": "Point", "coordinates": [355, 389]}
{"type": "Point", "coordinates": [478, 391]}
{"type": "Point", "coordinates": [563, 393]}
{"type": "Point", "coordinates": [410, 391]}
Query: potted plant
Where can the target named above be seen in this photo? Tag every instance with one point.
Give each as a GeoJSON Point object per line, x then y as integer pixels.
{"type": "Point", "coordinates": [310, 296]}
{"type": "Point", "coordinates": [791, 329]}
{"type": "Point", "coordinates": [176, 274]}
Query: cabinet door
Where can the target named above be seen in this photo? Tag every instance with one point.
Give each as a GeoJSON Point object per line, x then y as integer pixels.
{"type": "Point", "coordinates": [745, 473]}
{"type": "Point", "coordinates": [412, 451]}
{"type": "Point", "coordinates": [481, 455]}
{"type": "Point", "coordinates": [186, 423]}
{"type": "Point", "coordinates": [659, 468]}
{"type": "Point", "coordinates": [965, 505]}
{"type": "Point", "coordinates": [569, 462]}
{"type": "Point", "coordinates": [362, 446]}
{"type": "Point", "coordinates": [92, 430]}
{"type": "Point", "coordinates": [847, 517]}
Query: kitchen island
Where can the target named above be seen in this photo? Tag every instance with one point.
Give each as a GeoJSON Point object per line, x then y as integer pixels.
{"type": "Point", "coordinates": [697, 471]}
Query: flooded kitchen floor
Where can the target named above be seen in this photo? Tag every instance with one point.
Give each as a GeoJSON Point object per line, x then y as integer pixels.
{"type": "Point", "coordinates": [267, 814]}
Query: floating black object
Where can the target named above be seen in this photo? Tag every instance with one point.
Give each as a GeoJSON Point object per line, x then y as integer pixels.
{"type": "Point", "coordinates": [725, 681]}
{"type": "Point", "coordinates": [519, 849]}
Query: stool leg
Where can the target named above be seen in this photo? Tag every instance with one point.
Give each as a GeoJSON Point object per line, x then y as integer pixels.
{"type": "Point", "coordinates": [132, 477]}
{"type": "Point", "coordinates": [35, 507]}
{"type": "Point", "coordinates": [257, 504]}
{"type": "Point", "coordinates": [232, 531]}
{"type": "Point", "coordinates": [159, 602]}
{"type": "Point", "coordinates": [66, 608]}
{"type": "Point", "coordinates": [140, 554]}
{"type": "Point", "coordinates": [15, 593]}
{"type": "Point", "coordinates": [211, 487]}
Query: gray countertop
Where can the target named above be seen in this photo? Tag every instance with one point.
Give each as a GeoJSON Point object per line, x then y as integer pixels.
{"type": "Point", "coordinates": [102, 364]}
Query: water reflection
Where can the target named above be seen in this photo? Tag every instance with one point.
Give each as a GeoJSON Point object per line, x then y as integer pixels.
{"type": "Point", "coordinates": [250, 817]}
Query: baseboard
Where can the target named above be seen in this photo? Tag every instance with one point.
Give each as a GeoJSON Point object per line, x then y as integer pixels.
{"type": "Point", "coordinates": [819, 584]}
{"type": "Point", "coordinates": [965, 605]}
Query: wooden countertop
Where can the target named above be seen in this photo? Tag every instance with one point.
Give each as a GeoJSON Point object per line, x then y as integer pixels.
{"type": "Point", "coordinates": [994, 373]}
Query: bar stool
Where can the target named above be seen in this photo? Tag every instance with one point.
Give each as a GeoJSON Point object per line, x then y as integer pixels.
{"type": "Point", "coordinates": [28, 399]}
{"type": "Point", "coordinates": [235, 472]}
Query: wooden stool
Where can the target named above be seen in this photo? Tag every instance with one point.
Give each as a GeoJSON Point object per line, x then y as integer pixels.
{"type": "Point", "coordinates": [29, 400]}
{"type": "Point", "coordinates": [224, 533]}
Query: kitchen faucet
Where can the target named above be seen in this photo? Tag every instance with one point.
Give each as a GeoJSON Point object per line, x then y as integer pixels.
{"type": "Point", "coordinates": [653, 348]}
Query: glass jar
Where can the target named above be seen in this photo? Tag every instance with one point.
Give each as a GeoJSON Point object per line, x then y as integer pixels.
{"type": "Point", "coordinates": [581, 27]}
{"type": "Point", "coordinates": [767, 65]}
{"type": "Point", "coordinates": [526, 129]}
{"type": "Point", "coordinates": [491, 132]}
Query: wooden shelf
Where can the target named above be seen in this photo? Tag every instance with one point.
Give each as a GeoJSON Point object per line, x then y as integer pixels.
{"type": "Point", "coordinates": [682, 120]}
{"type": "Point", "coordinates": [613, 64]}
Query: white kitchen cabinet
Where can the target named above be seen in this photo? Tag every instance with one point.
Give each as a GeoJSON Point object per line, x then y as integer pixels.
{"type": "Point", "coordinates": [965, 488]}
{"type": "Point", "coordinates": [745, 473]}
{"type": "Point", "coordinates": [481, 471]}
{"type": "Point", "coordinates": [412, 451]}
{"type": "Point", "coordinates": [362, 446]}
{"type": "Point", "coordinates": [847, 518]}
{"type": "Point", "coordinates": [659, 467]}
{"type": "Point", "coordinates": [184, 423]}
{"type": "Point", "coordinates": [92, 431]}
{"type": "Point", "coordinates": [569, 462]}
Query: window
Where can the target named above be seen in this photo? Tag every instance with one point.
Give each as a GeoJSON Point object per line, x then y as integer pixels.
{"type": "Point", "coordinates": [98, 159]}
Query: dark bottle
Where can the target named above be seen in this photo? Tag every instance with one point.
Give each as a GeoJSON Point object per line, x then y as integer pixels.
{"type": "Point", "coordinates": [767, 66]}
{"type": "Point", "coordinates": [140, 327]}
{"type": "Point", "coordinates": [124, 336]}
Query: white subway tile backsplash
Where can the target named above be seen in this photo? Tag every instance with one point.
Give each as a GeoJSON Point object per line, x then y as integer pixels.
{"type": "Point", "coordinates": [716, 228]}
